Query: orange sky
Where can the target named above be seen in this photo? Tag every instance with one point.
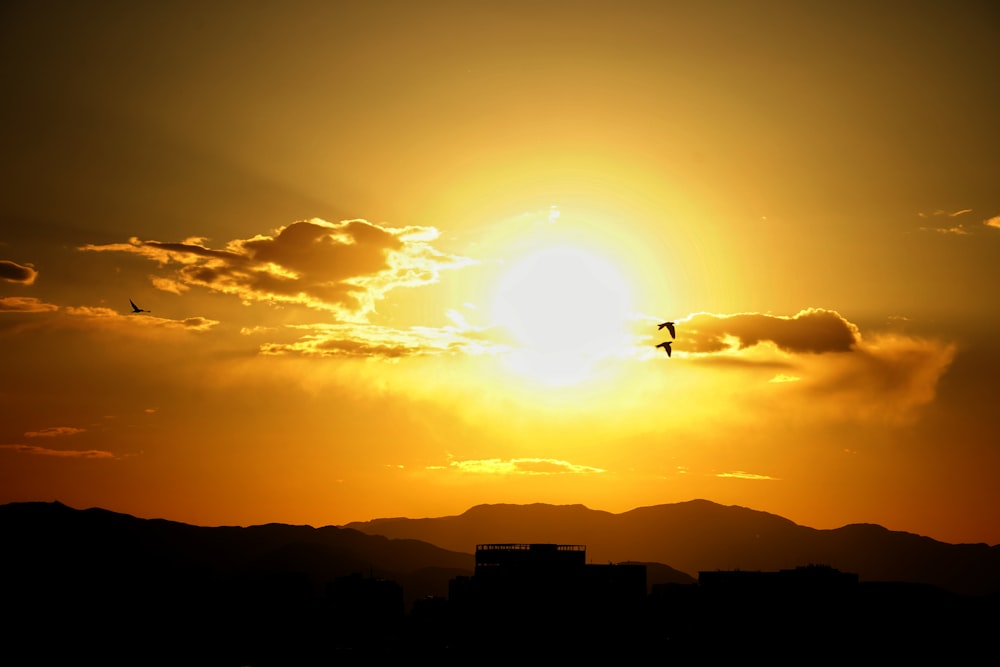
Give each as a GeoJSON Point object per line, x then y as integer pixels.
{"type": "Point", "coordinates": [402, 258]}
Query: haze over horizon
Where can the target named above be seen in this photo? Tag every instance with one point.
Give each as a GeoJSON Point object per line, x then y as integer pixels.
{"type": "Point", "coordinates": [402, 259]}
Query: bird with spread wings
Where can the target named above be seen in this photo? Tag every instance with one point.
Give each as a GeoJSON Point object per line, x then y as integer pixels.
{"type": "Point", "coordinates": [137, 309]}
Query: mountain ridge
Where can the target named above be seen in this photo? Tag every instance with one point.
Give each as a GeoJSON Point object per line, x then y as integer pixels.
{"type": "Point", "coordinates": [284, 594]}
{"type": "Point", "coordinates": [423, 553]}
{"type": "Point", "coordinates": [700, 535]}
{"type": "Point", "coordinates": [51, 544]}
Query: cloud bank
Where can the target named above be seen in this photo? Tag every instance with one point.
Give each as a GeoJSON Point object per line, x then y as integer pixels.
{"type": "Point", "coordinates": [25, 304]}
{"type": "Point", "coordinates": [820, 358]}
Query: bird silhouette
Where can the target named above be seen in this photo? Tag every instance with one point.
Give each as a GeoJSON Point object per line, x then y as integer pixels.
{"type": "Point", "coordinates": [670, 328]}
{"type": "Point", "coordinates": [666, 346]}
{"type": "Point", "coordinates": [135, 308]}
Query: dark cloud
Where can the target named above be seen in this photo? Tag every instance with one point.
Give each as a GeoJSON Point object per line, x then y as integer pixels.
{"type": "Point", "coordinates": [341, 267]}
{"type": "Point", "coordinates": [810, 331]}
{"type": "Point", "coordinates": [180, 250]}
{"type": "Point", "coordinates": [326, 253]}
{"type": "Point", "coordinates": [13, 272]}
{"type": "Point", "coordinates": [816, 361]}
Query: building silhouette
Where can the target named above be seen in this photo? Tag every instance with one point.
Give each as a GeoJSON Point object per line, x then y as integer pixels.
{"type": "Point", "coordinates": [544, 597]}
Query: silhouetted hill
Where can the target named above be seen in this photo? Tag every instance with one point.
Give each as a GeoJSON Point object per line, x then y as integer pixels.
{"type": "Point", "coordinates": [658, 573]}
{"type": "Point", "coordinates": [61, 546]}
{"type": "Point", "coordinates": [94, 586]}
{"type": "Point", "coordinates": [700, 535]}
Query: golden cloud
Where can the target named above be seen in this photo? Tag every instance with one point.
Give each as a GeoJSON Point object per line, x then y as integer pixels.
{"type": "Point", "coordinates": [739, 474]}
{"type": "Point", "coordinates": [54, 432]}
{"type": "Point", "coordinates": [111, 318]}
{"type": "Point", "coordinates": [25, 304]}
{"type": "Point", "coordinates": [522, 466]}
{"type": "Point", "coordinates": [344, 267]}
{"type": "Point", "coordinates": [364, 340]}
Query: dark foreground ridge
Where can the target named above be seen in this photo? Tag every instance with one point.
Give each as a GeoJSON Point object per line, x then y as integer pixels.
{"type": "Point", "coordinates": [92, 586]}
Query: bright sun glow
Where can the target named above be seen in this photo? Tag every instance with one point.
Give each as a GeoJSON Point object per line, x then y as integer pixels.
{"type": "Point", "coordinates": [567, 307]}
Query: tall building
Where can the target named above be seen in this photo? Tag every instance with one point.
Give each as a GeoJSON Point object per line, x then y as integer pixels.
{"type": "Point", "coordinates": [545, 594]}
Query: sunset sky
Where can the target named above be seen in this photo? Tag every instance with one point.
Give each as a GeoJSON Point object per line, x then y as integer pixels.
{"type": "Point", "coordinates": [402, 258]}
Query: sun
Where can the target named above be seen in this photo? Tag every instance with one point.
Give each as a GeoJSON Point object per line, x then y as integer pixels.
{"type": "Point", "coordinates": [567, 306]}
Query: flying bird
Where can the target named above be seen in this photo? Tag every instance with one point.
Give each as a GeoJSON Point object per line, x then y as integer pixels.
{"type": "Point", "coordinates": [670, 328]}
{"type": "Point", "coordinates": [666, 346]}
{"type": "Point", "coordinates": [135, 308]}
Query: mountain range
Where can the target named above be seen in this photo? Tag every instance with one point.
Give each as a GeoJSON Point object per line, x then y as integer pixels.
{"type": "Point", "coordinates": [676, 542]}
{"type": "Point", "coordinates": [700, 535]}
{"type": "Point", "coordinates": [50, 546]}
{"type": "Point", "coordinates": [91, 585]}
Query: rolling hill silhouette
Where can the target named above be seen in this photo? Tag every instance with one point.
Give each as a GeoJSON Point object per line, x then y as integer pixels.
{"type": "Point", "coordinates": [93, 585]}
{"type": "Point", "coordinates": [676, 541]}
{"type": "Point", "coordinates": [700, 535]}
{"type": "Point", "coordinates": [53, 545]}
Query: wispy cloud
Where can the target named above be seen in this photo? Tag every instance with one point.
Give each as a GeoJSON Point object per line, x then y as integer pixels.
{"type": "Point", "coordinates": [25, 304]}
{"type": "Point", "coordinates": [961, 229]}
{"type": "Point", "coordinates": [147, 321]}
{"type": "Point", "coordinates": [740, 474]}
{"type": "Point", "coordinates": [958, 230]}
{"type": "Point", "coordinates": [197, 323]}
{"type": "Point", "coordinates": [343, 267]}
{"type": "Point", "coordinates": [60, 453]}
{"type": "Point", "coordinates": [364, 340]}
{"type": "Point", "coordinates": [522, 466]}
{"type": "Point", "coordinates": [887, 379]}
{"type": "Point", "coordinates": [13, 272]}
{"type": "Point", "coordinates": [54, 432]}
{"type": "Point", "coordinates": [942, 213]}
{"type": "Point", "coordinates": [169, 285]}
